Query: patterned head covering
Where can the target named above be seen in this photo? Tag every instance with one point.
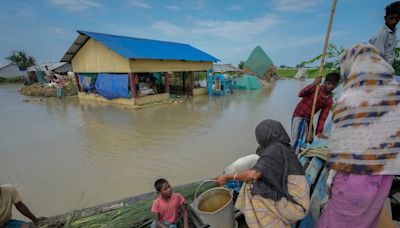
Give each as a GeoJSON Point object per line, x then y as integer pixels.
{"type": "Point", "coordinates": [361, 55]}
{"type": "Point", "coordinates": [365, 136]}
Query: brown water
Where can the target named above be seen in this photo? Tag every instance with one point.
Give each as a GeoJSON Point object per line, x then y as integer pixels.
{"type": "Point", "coordinates": [64, 155]}
{"type": "Point", "coordinates": [215, 201]}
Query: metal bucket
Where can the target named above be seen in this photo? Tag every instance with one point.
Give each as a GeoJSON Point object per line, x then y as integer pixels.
{"type": "Point", "coordinates": [215, 207]}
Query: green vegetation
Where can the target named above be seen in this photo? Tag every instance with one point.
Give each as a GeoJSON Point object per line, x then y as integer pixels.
{"type": "Point", "coordinates": [331, 63]}
{"type": "Point", "coordinates": [20, 58]}
{"type": "Point", "coordinates": [200, 75]}
{"type": "Point", "coordinates": [135, 215]}
{"type": "Point", "coordinates": [12, 80]}
{"type": "Point", "coordinates": [287, 73]}
{"type": "Point", "coordinates": [241, 64]}
{"type": "Point", "coordinates": [396, 64]}
{"type": "Point", "coordinates": [312, 72]}
{"type": "Point", "coordinates": [331, 58]}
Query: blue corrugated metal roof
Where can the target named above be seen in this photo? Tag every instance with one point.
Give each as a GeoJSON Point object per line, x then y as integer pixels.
{"type": "Point", "coordinates": [137, 48]}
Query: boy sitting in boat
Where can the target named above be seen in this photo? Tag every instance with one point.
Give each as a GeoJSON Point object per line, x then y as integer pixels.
{"type": "Point", "coordinates": [167, 205]}
{"type": "Point", "coordinates": [302, 113]}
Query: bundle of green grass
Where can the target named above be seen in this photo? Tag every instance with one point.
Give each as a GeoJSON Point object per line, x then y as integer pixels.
{"type": "Point", "coordinates": [135, 215]}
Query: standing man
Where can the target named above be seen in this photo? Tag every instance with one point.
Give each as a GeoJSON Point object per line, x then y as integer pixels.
{"type": "Point", "coordinates": [385, 40]}
{"type": "Point", "coordinates": [59, 86]}
{"type": "Point", "coordinates": [48, 73]}
{"type": "Point", "coordinates": [8, 197]}
{"type": "Point", "coordinates": [302, 113]}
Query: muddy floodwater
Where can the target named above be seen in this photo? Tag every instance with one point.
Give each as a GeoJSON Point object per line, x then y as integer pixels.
{"type": "Point", "coordinates": [70, 154]}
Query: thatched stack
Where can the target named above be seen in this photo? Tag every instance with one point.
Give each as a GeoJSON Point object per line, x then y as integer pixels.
{"type": "Point", "coordinates": [38, 90]}
{"type": "Point", "coordinates": [44, 90]}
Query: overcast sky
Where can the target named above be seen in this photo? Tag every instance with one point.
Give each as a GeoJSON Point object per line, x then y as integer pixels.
{"type": "Point", "coordinates": [290, 31]}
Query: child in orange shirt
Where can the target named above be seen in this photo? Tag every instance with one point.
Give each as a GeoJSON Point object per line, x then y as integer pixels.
{"type": "Point", "coordinates": [166, 206]}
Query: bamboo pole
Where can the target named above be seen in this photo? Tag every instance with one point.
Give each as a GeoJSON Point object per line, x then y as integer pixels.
{"type": "Point", "coordinates": [321, 67]}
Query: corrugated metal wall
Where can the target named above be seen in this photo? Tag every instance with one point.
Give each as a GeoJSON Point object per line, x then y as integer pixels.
{"type": "Point", "coordinates": [11, 71]}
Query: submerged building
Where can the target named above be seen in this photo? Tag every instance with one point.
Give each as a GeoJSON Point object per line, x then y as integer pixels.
{"type": "Point", "coordinates": [135, 71]}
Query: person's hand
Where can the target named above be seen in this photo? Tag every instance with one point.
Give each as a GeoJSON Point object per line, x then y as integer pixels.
{"type": "Point", "coordinates": [40, 219]}
{"type": "Point", "coordinates": [317, 80]}
{"type": "Point", "coordinates": [221, 180]}
{"type": "Point", "coordinates": [322, 136]}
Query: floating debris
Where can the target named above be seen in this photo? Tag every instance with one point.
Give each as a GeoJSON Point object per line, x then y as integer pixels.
{"type": "Point", "coordinates": [32, 100]}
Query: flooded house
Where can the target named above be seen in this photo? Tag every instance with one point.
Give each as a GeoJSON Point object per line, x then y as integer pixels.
{"type": "Point", "coordinates": [135, 71]}
{"type": "Point", "coordinates": [226, 68]}
{"type": "Point", "coordinates": [12, 70]}
{"type": "Point", "coordinates": [36, 72]}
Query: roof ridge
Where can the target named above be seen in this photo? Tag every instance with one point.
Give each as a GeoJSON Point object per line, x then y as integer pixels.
{"type": "Point", "coordinates": [141, 48]}
{"type": "Point", "coordinates": [130, 37]}
{"type": "Point", "coordinates": [7, 64]}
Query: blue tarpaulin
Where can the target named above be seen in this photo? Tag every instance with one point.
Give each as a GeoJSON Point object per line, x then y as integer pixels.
{"type": "Point", "coordinates": [112, 86]}
{"type": "Point", "coordinates": [87, 81]}
{"type": "Point", "coordinates": [41, 77]}
{"type": "Point", "coordinates": [137, 48]}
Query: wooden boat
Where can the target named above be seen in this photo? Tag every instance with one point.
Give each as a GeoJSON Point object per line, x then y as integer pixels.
{"type": "Point", "coordinates": [120, 209]}
{"type": "Point", "coordinates": [123, 209]}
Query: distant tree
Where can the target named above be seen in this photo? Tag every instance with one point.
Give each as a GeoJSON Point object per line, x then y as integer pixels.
{"type": "Point", "coordinates": [20, 58]}
{"type": "Point", "coordinates": [282, 66]}
{"type": "Point", "coordinates": [331, 58]}
{"type": "Point", "coordinates": [241, 64]}
{"type": "Point", "coordinates": [396, 63]}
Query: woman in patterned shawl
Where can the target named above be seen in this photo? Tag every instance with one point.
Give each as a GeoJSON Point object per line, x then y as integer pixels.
{"type": "Point", "coordinates": [365, 140]}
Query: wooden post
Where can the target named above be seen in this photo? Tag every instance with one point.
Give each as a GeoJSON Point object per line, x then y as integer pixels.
{"type": "Point", "coordinates": [166, 82]}
{"type": "Point", "coordinates": [321, 67]}
{"type": "Point", "coordinates": [136, 81]}
{"type": "Point", "coordinates": [184, 82]}
{"type": "Point", "coordinates": [192, 82]}
{"type": "Point", "coordinates": [132, 84]}
{"type": "Point", "coordinates": [78, 87]}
